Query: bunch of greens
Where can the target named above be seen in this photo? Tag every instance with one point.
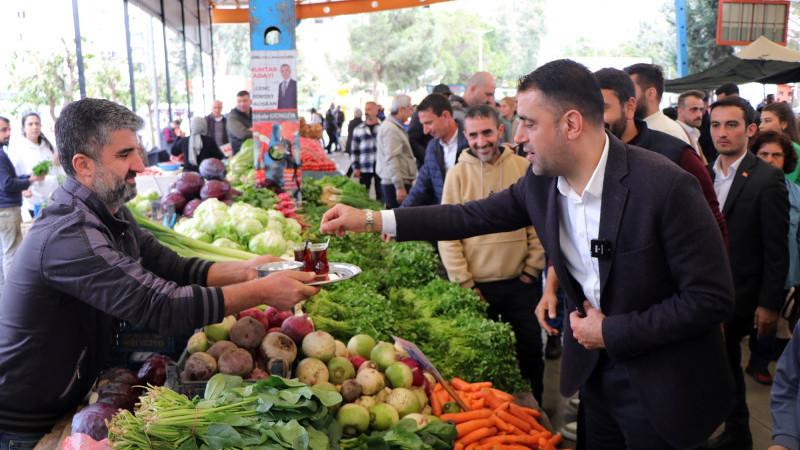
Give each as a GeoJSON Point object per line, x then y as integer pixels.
{"type": "Point", "coordinates": [258, 197]}
{"type": "Point", "coordinates": [42, 168]}
{"type": "Point", "coordinates": [338, 189]}
{"type": "Point", "coordinates": [274, 413]}
{"type": "Point", "coordinates": [436, 435]}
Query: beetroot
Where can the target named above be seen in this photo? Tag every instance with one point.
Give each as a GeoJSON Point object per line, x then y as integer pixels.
{"type": "Point", "coordinates": [216, 189]}
{"type": "Point", "coordinates": [122, 375]}
{"type": "Point", "coordinates": [416, 370]}
{"type": "Point", "coordinates": [297, 327]}
{"type": "Point", "coordinates": [154, 370]}
{"type": "Point", "coordinates": [118, 394]}
{"type": "Point", "coordinates": [189, 184]}
{"type": "Point", "coordinates": [91, 420]}
{"type": "Point", "coordinates": [191, 205]}
{"type": "Point", "coordinates": [173, 198]}
{"type": "Point", "coordinates": [277, 319]}
{"type": "Point", "coordinates": [212, 169]}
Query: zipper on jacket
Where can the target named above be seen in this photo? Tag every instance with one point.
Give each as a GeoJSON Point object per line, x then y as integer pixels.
{"type": "Point", "coordinates": [75, 376]}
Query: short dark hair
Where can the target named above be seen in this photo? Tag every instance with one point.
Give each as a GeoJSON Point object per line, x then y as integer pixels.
{"type": "Point", "coordinates": [618, 81]}
{"type": "Point", "coordinates": [773, 137]}
{"type": "Point", "coordinates": [84, 127]}
{"type": "Point", "coordinates": [483, 111]}
{"type": "Point", "coordinates": [567, 85]}
{"type": "Point", "coordinates": [739, 102]}
{"type": "Point", "coordinates": [242, 94]}
{"type": "Point", "coordinates": [785, 114]}
{"type": "Point", "coordinates": [728, 89]}
{"type": "Point", "coordinates": [436, 103]}
{"type": "Point", "coordinates": [692, 93]}
{"type": "Point", "coordinates": [649, 75]}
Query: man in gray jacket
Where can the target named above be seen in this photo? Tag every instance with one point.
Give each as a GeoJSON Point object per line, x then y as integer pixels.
{"type": "Point", "coordinates": [395, 163]}
{"type": "Point", "coordinates": [86, 264]}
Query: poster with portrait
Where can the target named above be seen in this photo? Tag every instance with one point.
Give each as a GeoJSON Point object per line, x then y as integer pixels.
{"type": "Point", "coordinates": [274, 85]}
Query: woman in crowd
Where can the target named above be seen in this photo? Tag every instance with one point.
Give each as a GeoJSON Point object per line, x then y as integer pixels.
{"type": "Point", "coordinates": [508, 114]}
{"type": "Point", "coordinates": [780, 117]}
{"type": "Point", "coordinates": [197, 146]}
{"type": "Point", "coordinates": [775, 148]}
{"type": "Point", "coordinates": [26, 153]}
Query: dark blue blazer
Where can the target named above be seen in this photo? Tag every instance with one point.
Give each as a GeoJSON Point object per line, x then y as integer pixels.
{"type": "Point", "coordinates": [665, 288]}
{"type": "Point", "coordinates": [430, 179]}
{"type": "Point", "coordinates": [288, 100]}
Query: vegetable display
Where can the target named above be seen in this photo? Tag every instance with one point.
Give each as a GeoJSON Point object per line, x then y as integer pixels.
{"type": "Point", "coordinates": [271, 414]}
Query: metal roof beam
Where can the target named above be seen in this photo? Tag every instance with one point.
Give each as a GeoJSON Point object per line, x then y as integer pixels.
{"type": "Point", "coordinates": [324, 9]}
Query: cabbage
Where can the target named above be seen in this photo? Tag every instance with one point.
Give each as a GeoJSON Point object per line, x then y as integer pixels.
{"type": "Point", "coordinates": [143, 206]}
{"type": "Point", "coordinates": [267, 242]}
{"type": "Point", "coordinates": [186, 225]}
{"type": "Point", "coordinates": [241, 210]}
{"type": "Point", "coordinates": [245, 227]}
{"type": "Point", "coordinates": [211, 204]}
{"type": "Point", "coordinates": [226, 243]}
{"type": "Point", "coordinates": [210, 220]}
{"type": "Point", "coordinates": [292, 225]}
{"type": "Point", "coordinates": [275, 227]}
{"type": "Point", "coordinates": [276, 216]}
{"type": "Point", "coordinates": [199, 236]}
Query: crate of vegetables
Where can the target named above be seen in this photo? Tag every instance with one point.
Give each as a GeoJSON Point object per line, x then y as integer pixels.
{"type": "Point", "coordinates": [257, 344]}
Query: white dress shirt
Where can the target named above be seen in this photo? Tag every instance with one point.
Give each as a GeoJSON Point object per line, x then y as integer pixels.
{"type": "Point", "coordinates": [659, 121]}
{"type": "Point", "coordinates": [579, 223]}
{"type": "Point", "coordinates": [450, 149]}
{"type": "Point", "coordinates": [722, 182]}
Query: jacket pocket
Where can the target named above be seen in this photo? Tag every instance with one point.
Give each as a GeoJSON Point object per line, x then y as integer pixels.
{"type": "Point", "coordinates": [76, 375]}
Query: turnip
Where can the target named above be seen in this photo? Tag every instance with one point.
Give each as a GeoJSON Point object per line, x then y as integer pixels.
{"type": "Point", "coordinates": [340, 369]}
{"type": "Point", "coordinates": [380, 397]}
{"type": "Point", "coordinates": [404, 401]}
{"type": "Point", "coordinates": [383, 354]}
{"type": "Point", "coordinates": [429, 383]}
{"type": "Point", "coordinates": [341, 349]}
{"type": "Point", "coordinates": [351, 390]}
{"type": "Point", "coordinates": [420, 393]}
{"type": "Point", "coordinates": [421, 420]}
{"type": "Point", "coordinates": [416, 370]}
{"type": "Point", "coordinates": [278, 345]}
{"type": "Point", "coordinates": [198, 343]}
{"type": "Point", "coordinates": [367, 401]}
{"type": "Point", "coordinates": [353, 418]}
{"type": "Point", "coordinates": [382, 417]}
{"type": "Point", "coordinates": [320, 345]}
{"type": "Point", "coordinates": [361, 345]}
{"type": "Point", "coordinates": [311, 371]}
{"type": "Point", "coordinates": [367, 365]}
{"type": "Point", "coordinates": [399, 375]}
{"type": "Point", "coordinates": [371, 381]}
{"type": "Point", "coordinates": [297, 327]}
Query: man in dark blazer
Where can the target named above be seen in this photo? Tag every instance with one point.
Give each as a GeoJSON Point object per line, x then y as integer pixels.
{"type": "Point", "coordinates": [287, 89]}
{"type": "Point", "coordinates": [642, 340]}
{"type": "Point", "coordinates": [755, 204]}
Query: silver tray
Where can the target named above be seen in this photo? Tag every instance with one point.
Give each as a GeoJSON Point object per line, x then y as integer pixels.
{"type": "Point", "coordinates": [336, 272]}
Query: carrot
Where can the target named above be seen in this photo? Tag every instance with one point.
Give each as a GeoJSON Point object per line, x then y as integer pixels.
{"type": "Point", "coordinates": [465, 428]}
{"type": "Point", "coordinates": [444, 397]}
{"type": "Point", "coordinates": [438, 387]}
{"type": "Point", "coordinates": [536, 414]}
{"type": "Point", "coordinates": [472, 446]}
{"type": "Point", "coordinates": [510, 439]}
{"type": "Point", "coordinates": [480, 385]}
{"type": "Point", "coordinates": [501, 424]}
{"type": "Point", "coordinates": [477, 435]}
{"type": "Point", "coordinates": [505, 396]}
{"type": "Point", "coordinates": [503, 406]}
{"type": "Point", "coordinates": [466, 416]}
{"type": "Point", "coordinates": [459, 384]}
{"type": "Point", "coordinates": [458, 446]}
{"type": "Point", "coordinates": [544, 444]}
{"type": "Point", "coordinates": [513, 420]}
{"type": "Point", "coordinates": [491, 399]}
{"type": "Point", "coordinates": [555, 440]}
{"type": "Point", "coordinates": [478, 404]}
{"type": "Point", "coordinates": [517, 412]}
{"type": "Point", "coordinates": [436, 405]}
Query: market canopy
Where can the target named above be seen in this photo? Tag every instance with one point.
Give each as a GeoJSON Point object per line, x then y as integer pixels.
{"type": "Point", "coordinates": [762, 61]}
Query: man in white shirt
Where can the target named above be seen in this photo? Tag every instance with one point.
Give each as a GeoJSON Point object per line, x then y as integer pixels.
{"type": "Point", "coordinates": [217, 124]}
{"type": "Point", "coordinates": [632, 250]}
{"type": "Point", "coordinates": [649, 81]}
{"type": "Point", "coordinates": [436, 116]}
{"type": "Point", "coordinates": [691, 107]}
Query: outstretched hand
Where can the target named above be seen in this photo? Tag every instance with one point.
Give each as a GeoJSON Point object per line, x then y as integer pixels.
{"type": "Point", "coordinates": [342, 218]}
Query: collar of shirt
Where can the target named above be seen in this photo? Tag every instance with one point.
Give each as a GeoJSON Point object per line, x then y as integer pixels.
{"type": "Point", "coordinates": [595, 184]}
{"type": "Point", "coordinates": [731, 170]}
{"type": "Point", "coordinates": [450, 149]}
{"type": "Point", "coordinates": [218, 119]}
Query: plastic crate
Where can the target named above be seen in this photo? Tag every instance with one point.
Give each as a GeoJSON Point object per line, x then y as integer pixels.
{"type": "Point", "coordinates": [132, 340]}
{"type": "Point", "coordinates": [198, 388]}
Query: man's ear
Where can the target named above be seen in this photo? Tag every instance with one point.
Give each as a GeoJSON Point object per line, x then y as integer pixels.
{"type": "Point", "coordinates": [751, 130]}
{"type": "Point", "coordinates": [84, 165]}
{"type": "Point", "coordinates": [573, 124]}
{"type": "Point", "coordinates": [629, 108]}
{"type": "Point", "coordinates": [651, 94]}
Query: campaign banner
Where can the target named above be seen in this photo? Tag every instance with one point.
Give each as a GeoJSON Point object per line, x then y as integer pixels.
{"type": "Point", "coordinates": [274, 87]}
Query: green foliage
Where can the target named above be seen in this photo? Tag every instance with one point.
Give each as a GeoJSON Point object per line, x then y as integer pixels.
{"type": "Point", "coordinates": [109, 79]}
{"type": "Point", "coordinates": [232, 48]}
{"type": "Point", "coordinates": [436, 435]}
{"type": "Point", "coordinates": [701, 35]}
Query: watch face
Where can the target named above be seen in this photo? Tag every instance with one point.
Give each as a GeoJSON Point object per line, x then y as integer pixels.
{"type": "Point", "coordinates": [277, 152]}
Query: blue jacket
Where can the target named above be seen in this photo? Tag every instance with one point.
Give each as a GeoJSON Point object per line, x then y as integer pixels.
{"type": "Point", "coordinates": [11, 185]}
{"type": "Point", "coordinates": [430, 181]}
{"type": "Point", "coordinates": [784, 403]}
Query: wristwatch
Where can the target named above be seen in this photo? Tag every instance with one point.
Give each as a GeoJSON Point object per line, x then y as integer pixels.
{"type": "Point", "coordinates": [368, 226]}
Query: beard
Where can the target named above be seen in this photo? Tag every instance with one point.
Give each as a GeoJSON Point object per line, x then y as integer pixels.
{"type": "Point", "coordinates": [641, 108]}
{"type": "Point", "coordinates": [491, 156]}
{"type": "Point", "coordinates": [114, 192]}
{"type": "Point", "coordinates": [618, 127]}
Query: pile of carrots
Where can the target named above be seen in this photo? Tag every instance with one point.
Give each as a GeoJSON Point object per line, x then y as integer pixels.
{"type": "Point", "coordinates": [494, 422]}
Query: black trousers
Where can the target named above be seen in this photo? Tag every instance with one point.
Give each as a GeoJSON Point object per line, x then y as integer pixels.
{"type": "Point", "coordinates": [613, 417]}
{"type": "Point", "coordinates": [333, 139]}
{"type": "Point", "coordinates": [366, 180]}
{"type": "Point", "coordinates": [738, 423]}
{"type": "Point", "coordinates": [514, 302]}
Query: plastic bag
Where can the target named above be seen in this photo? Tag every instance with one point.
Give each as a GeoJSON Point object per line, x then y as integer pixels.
{"type": "Point", "coordinates": [80, 441]}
